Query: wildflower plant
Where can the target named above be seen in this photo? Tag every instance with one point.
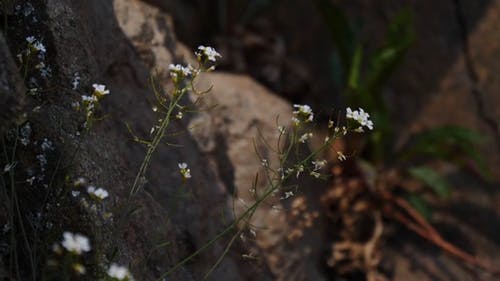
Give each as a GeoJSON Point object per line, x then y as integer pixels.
{"type": "Point", "coordinates": [364, 77]}
{"type": "Point", "coordinates": [292, 165]}
{"type": "Point", "coordinates": [119, 273]}
{"type": "Point", "coordinates": [90, 102]}
{"type": "Point", "coordinates": [168, 107]}
{"type": "Point", "coordinates": [70, 254]}
{"type": "Point", "coordinates": [33, 57]}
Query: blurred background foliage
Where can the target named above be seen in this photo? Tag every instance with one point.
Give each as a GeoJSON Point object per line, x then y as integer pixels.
{"type": "Point", "coordinates": [359, 75]}
{"type": "Point", "coordinates": [363, 76]}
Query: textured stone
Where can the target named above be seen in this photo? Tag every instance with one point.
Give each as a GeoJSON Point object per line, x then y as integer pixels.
{"type": "Point", "coordinates": [90, 38]}
{"type": "Point", "coordinates": [11, 87]}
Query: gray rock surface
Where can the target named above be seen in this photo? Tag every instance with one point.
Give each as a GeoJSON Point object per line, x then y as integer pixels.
{"type": "Point", "coordinates": [11, 87]}
{"type": "Point", "coordinates": [94, 39]}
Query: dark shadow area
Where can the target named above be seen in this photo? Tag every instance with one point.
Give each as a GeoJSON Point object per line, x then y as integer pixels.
{"type": "Point", "coordinates": [287, 47]}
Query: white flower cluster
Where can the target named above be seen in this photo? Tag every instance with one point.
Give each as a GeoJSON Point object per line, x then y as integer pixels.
{"type": "Point", "coordinates": [43, 162]}
{"type": "Point", "coordinates": [119, 272]}
{"type": "Point", "coordinates": [303, 114]}
{"type": "Point", "coordinates": [76, 80]}
{"type": "Point", "coordinates": [99, 193]}
{"type": "Point", "coordinates": [89, 102]}
{"type": "Point", "coordinates": [360, 116]}
{"type": "Point", "coordinates": [204, 54]}
{"type": "Point", "coordinates": [208, 53]}
{"type": "Point", "coordinates": [25, 133]}
{"type": "Point", "coordinates": [45, 70]}
{"type": "Point", "coordinates": [27, 56]}
{"type": "Point", "coordinates": [35, 44]}
{"type": "Point", "coordinates": [100, 90]}
{"type": "Point", "coordinates": [287, 195]}
{"type": "Point", "coordinates": [47, 145]}
{"type": "Point", "coordinates": [318, 165]}
{"type": "Point", "coordinates": [75, 243]}
{"type": "Point", "coordinates": [305, 137]}
{"type": "Point", "coordinates": [177, 70]}
{"type": "Point", "coordinates": [184, 170]}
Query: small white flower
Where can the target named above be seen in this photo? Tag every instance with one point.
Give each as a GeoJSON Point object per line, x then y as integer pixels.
{"type": "Point", "coordinates": [119, 272]}
{"type": "Point", "coordinates": [342, 130]}
{"type": "Point", "coordinates": [360, 116]}
{"type": "Point", "coordinates": [305, 137]}
{"type": "Point", "coordinates": [318, 165]}
{"type": "Point", "coordinates": [79, 268]}
{"type": "Point", "coordinates": [89, 99]}
{"type": "Point", "coordinates": [31, 180]}
{"type": "Point", "coordinates": [56, 248]}
{"type": "Point", "coordinates": [28, 10]}
{"type": "Point", "coordinates": [341, 156]}
{"type": "Point", "coordinates": [35, 44]}
{"type": "Point", "coordinates": [288, 194]}
{"type": "Point", "coordinates": [303, 113]}
{"type": "Point", "coordinates": [76, 80]}
{"type": "Point", "coordinates": [80, 181]}
{"type": "Point", "coordinates": [330, 124]}
{"type": "Point", "coordinates": [30, 39]}
{"type": "Point", "coordinates": [264, 163]}
{"type": "Point", "coordinates": [75, 193]}
{"type": "Point", "coordinates": [300, 169]}
{"type": "Point", "coordinates": [207, 52]}
{"type": "Point", "coordinates": [176, 69]}
{"type": "Point", "coordinates": [179, 115]}
{"type": "Point", "coordinates": [40, 65]}
{"type": "Point", "coordinates": [75, 105]}
{"type": "Point", "coordinates": [99, 193]}
{"type": "Point", "coordinates": [100, 90]}
{"type": "Point", "coordinates": [281, 172]}
{"type": "Point", "coordinates": [315, 174]}
{"type": "Point", "coordinates": [75, 243]}
{"type": "Point", "coordinates": [359, 130]}
{"type": "Point", "coordinates": [43, 161]}
{"type": "Point", "coordinates": [9, 167]}
{"type": "Point", "coordinates": [46, 72]}
{"type": "Point", "coordinates": [25, 134]}
{"type": "Point", "coordinates": [282, 130]}
{"type": "Point", "coordinates": [33, 91]}
{"type": "Point", "coordinates": [184, 170]}
{"type": "Point", "coordinates": [46, 145]}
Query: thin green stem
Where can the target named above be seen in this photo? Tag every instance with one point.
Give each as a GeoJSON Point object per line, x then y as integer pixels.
{"type": "Point", "coordinates": [249, 212]}
{"type": "Point", "coordinates": [160, 133]}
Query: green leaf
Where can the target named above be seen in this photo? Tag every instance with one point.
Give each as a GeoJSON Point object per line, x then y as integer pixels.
{"type": "Point", "coordinates": [432, 179]}
{"type": "Point", "coordinates": [449, 143]}
{"type": "Point", "coordinates": [342, 33]}
{"type": "Point", "coordinates": [420, 205]}
{"type": "Point", "coordinates": [354, 75]}
{"type": "Point", "coordinates": [400, 36]}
